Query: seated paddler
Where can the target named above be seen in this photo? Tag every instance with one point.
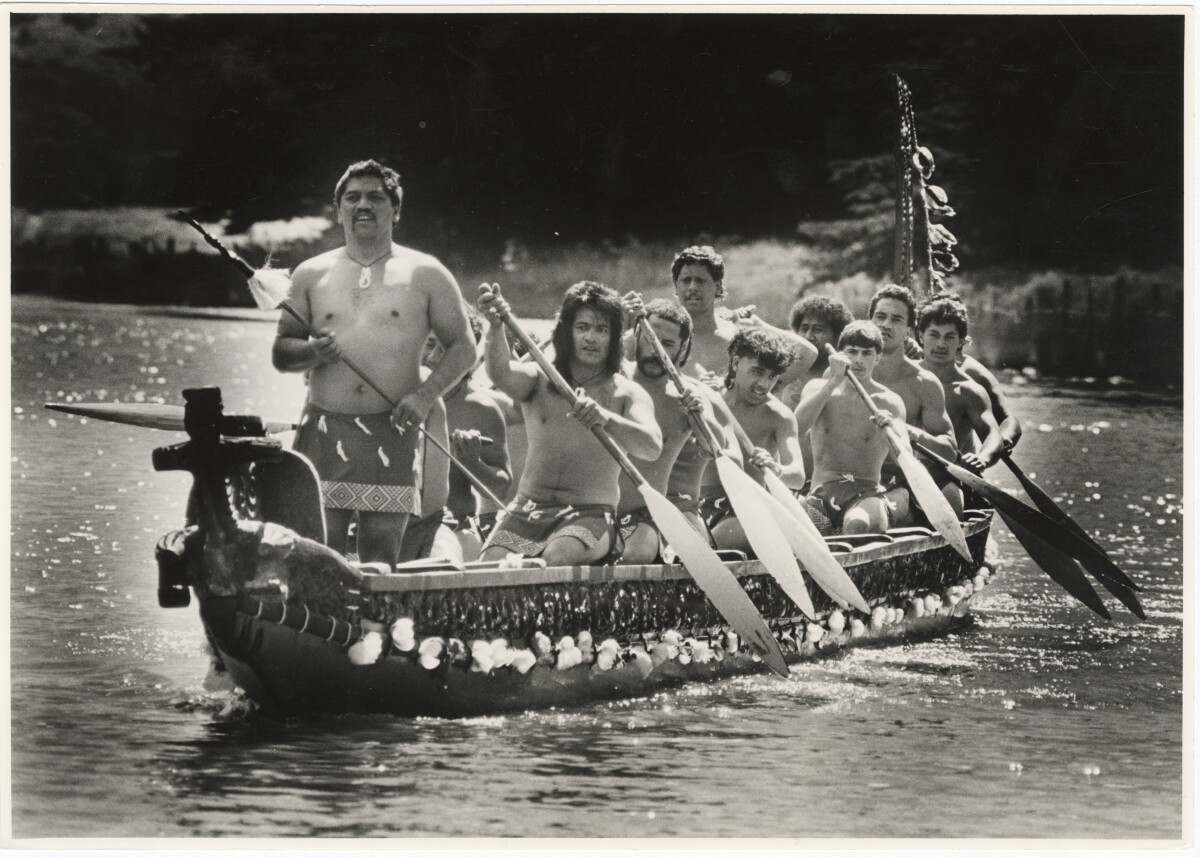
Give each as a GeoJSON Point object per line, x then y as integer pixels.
{"type": "Point", "coordinates": [640, 539]}
{"type": "Point", "coordinates": [848, 449]}
{"type": "Point", "coordinates": [565, 505]}
{"type": "Point", "coordinates": [478, 438]}
{"type": "Point", "coordinates": [757, 360]}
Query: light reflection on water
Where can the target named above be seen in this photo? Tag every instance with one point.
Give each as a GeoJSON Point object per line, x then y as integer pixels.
{"type": "Point", "coordinates": [1041, 721]}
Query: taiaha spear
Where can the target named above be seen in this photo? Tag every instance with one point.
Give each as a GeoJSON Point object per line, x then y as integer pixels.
{"type": "Point", "coordinates": [270, 287]}
{"type": "Point", "coordinates": [700, 560]}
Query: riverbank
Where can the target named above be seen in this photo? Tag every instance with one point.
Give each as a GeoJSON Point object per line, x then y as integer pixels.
{"type": "Point", "coordinates": [1123, 326]}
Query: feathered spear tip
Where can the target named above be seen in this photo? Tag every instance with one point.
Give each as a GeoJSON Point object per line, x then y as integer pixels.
{"type": "Point", "coordinates": [269, 286]}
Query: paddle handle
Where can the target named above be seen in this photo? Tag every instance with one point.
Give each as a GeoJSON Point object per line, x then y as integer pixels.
{"type": "Point", "coordinates": [699, 426]}
{"type": "Point", "coordinates": [560, 384]}
{"type": "Point", "coordinates": [892, 440]}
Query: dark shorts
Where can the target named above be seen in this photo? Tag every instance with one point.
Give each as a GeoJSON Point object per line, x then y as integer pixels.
{"type": "Point", "coordinates": [714, 509]}
{"type": "Point", "coordinates": [834, 498]}
{"type": "Point", "coordinates": [527, 527]}
{"type": "Point", "coordinates": [629, 521]}
{"type": "Point", "coordinates": [364, 462]}
{"type": "Point", "coordinates": [419, 536]}
{"type": "Point", "coordinates": [893, 477]}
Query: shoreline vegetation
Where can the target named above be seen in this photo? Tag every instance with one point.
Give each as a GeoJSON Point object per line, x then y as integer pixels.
{"type": "Point", "coordinates": [1119, 328]}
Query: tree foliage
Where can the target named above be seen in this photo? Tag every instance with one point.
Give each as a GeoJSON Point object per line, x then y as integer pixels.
{"type": "Point", "coordinates": [1061, 135]}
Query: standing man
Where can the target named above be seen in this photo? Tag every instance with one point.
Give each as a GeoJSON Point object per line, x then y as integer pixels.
{"type": "Point", "coordinates": [564, 508]}
{"type": "Point", "coordinates": [893, 310]}
{"type": "Point", "coordinates": [375, 301]}
{"type": "Point", "coordinates": [848, 452]}
{"type": "Point", "coordinates": [672, 411]}
{"type": "Point", "coordinates": [699, 277]}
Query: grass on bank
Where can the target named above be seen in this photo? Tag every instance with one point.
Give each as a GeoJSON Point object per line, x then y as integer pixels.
{"type": "Point", "coordinates": [1126, 323]}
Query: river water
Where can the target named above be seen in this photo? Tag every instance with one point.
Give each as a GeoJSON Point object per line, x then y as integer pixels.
{"type": "Point", "coordinates": [1042, 722]}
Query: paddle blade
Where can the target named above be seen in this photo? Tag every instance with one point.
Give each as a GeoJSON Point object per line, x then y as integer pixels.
{"type": "Point", "coordinates": [932, 502]}
{"type": "Point", "coordinates": [1099, 565]}
{"type": "Point", "coordinates": [270, 287]}
{"type": "Point", "coordinates": [770, 546]}
{"type": "Point", "coordinates": [156, 416]}
{"type": "Point", "coordinates": [1055, 534]}
{"type": "Point", "coordinates": [810, 547]}
{"type": "Point", "coordinates": [711, 575]}
{"type": "Point", "coordinates": [146, 415]}
{"type": "Point", "coordinates": [1061, 568]}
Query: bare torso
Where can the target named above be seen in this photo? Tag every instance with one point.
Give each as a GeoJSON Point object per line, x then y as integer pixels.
{"type": "Point", "coordinates": [566, 464]}
{"type": "Point", "coordinates": [676, 430]}
{"type": "Point", "coordinates": [382, 329]}
{"type": "Point", "coordinates": [845, 441]}
{"type": "Point", "coordinates": [963, 395]}
{"type": "Point", "coordinates": [710, 350]}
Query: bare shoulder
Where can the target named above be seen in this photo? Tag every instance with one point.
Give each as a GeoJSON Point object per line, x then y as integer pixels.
{"type": "Point", "coordinates": [972, 393]}
{"type": "Point", "coordinates": [979, 373]}
{"type": "Point", "coordinates": [427, 270]}
{"type": "Point", "coordinates": [930, 385]}
{"type": "Point", "coordinates": [311, 270]}
{"type": "Point", "coordinates": [781, 414]}
{"type": "Point", "coordinates": [893, 402]}
{"type": "Point", "coordinates": [481, 405]}
{"type": "Point", "coordinates": [628, 391]}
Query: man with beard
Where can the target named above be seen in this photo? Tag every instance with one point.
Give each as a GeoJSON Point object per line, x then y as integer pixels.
{"type": "Point", "coordinates": [565, 504]}
{"type": "Point", "coordinates": [848, 451]}
{"type": "Point", "coordinates": [893, 310]}
{"type": "Point", "coordinates": [672, 409]}
{"type": "Point", "coordinates": [757, 359]}
{"type": "Point", "coordinates": [377, 301]}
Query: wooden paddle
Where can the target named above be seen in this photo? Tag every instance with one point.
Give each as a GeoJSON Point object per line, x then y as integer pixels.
{"type": "Point", "coordinates": [745, 497]}
{"type": "Point", "coordinates": [805, 543]}
{"type": "Point", "coordinates": [1056, 513]}
{"type": "Point", "coordinates": [267, 295]}
{"type": "Point", "coordinates": [1051, 533]}
{"type": "Point", "coordinates": [924, 489]}
{"type": "Point", "coordinates": [706, 568]}
{"type": "Point", "coordinates": [1060, 567]}
{"type": "Point", "coordinates": [805, 539]}
{"type": "Point", "coordinates": [165, 417]}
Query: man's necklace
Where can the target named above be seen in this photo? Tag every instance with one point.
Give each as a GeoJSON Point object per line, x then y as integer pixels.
{"type": "Point", "coordinates": [364, 276]}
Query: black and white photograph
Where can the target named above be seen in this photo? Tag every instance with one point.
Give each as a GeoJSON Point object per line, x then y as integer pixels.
{"type": "Point", "coordinates": [675, 427]}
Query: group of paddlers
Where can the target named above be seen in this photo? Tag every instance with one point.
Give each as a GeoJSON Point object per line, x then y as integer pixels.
{"type": "Point", "coordinates": [772, 399]}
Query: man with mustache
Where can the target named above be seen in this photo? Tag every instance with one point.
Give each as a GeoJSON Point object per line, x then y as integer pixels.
{"type": "Point", "coordinates": [757, 360]}
{"type": "Point", "coordinates": [672, 409]}
{"type": "Point", "coordinates": [893, 310]}
{"type": "Point", "coordinates": [564, 508]}
{"type": "Point", "coordinates": [698, 274]}
{"type": "Point", "coordinates": [848, 452]}
{"type": "Point", "coordinates": [942, 325]}
{"type": "Point", "coordinates": [375, 301]}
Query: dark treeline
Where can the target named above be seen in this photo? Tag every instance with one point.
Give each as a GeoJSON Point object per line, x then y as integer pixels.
{"type": "Point", "coordinates": [1062, 136]}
